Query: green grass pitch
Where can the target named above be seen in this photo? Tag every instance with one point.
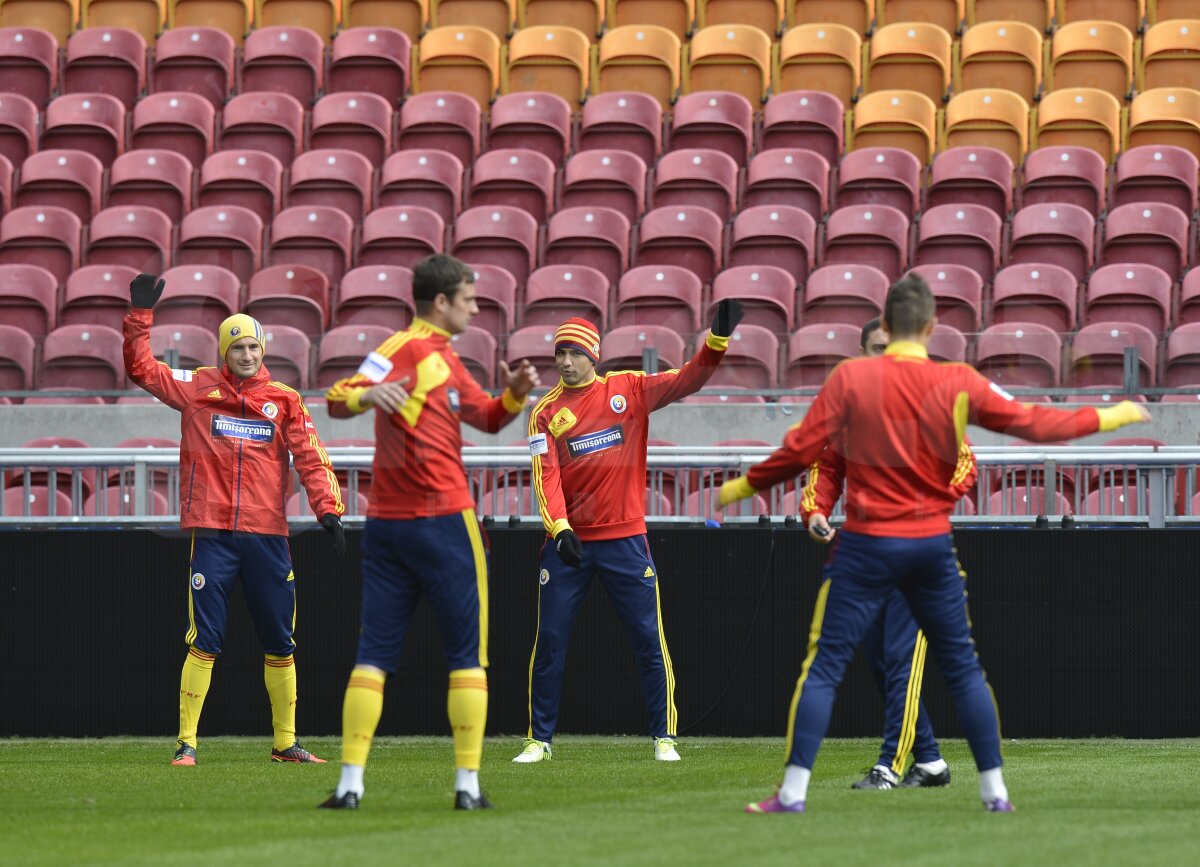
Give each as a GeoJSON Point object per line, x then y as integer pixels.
{"type": "Point", "coordinates": [602, 800]}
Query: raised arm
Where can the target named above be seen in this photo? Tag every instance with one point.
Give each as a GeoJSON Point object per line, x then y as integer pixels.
{"type": "Point", "coordinates": [660, 389]}
{"type": "Point", "coordinates": [170, 385]}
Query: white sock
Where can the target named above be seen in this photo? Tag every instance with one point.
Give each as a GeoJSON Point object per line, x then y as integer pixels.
{"type": "Point", "coordinates": [888, 773]}
{"type": "Point", "coordinates": [934, 767]}
{"type": "Point", "coordinates": [991, 786]}
{"type": "Point", "coordinates": [466, 781]}
{"type": "Point", "coordinates": [351, 781]}
{"type": "Point", "coordinates": [795, 785]}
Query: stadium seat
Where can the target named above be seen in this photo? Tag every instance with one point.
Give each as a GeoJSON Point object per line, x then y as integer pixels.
{"type": "Point", "coordinates": [751, 361]}
{"type": "Point", "coordinates": [201, 295]}
{"type": "Point", "coordinates": [36, 501]}
{"type": "Point", "coordinates": [596, 237]}
{"type": "Point", "coordinates": [144, 17]}
{"type": "Point", "coordinates": [342, 351]}
{"type": "Point", "coordinates": [319, 16]}
{"type": "Point", "coordinates": [910, 55]}
{"type": "Point", "coordinates": [6, 184]}
{"type": "Point", "coordinates": [1127, 13]}
{"type": "Point", "coordinates": [972, 175]}
{"type": "Point", "coordinates": [1040, 293]}
{"type": "Point", "coordinates": [97, 295]}
{"type": "Point", "coordinates": [1097, 354]}
{"type": "Point", "coordinates": [1080, 116]}
{"type": "Point", "coordinates": [294, 295]}
{"type": "Point", "coordinates": [340, 179]}
{"type": "Point", "coordinates": [868, 235]}
{"type": "Point", "coordinates": [225, 235]}
{"type": "Point", "coordinates": [623, 348]}
{"type": "Point", "coordinates": [464, 59]}
{"type": "Point", "coordinates": [733, 57]}
{"type": "Point", "coordinates": [115, 502]}
{"type": "Point", "coordinates": [376, 295]}
{"type": "Point", "coordinates": [158, 179]}
{"type": "Point", "coordinates": [1169, 54]}
{"type": "Point", "coordinates": [28, 298]}
{"type": "Point", "coordinates": [425, 178]}
{"type": "Point", "coordinates": [550, 59]}
{"type": "Point", "coordinates": [287, 355]}
{"type": "Point", "coordinates": [1166, 116]}
{"type": "Point", "coordinates": [1189, 298]}
{"type": "Point", "coordinates": [29, 58]}
{"type": "Point", "coordinates": [767, 293]}
{"type": "Point", "coordinates": [586, 16]}
{"type": "Point", "coordinates": [73, 180]}
{"type": "Point", "coordinates": [250, 179]}
{"type": "Point", "coordinates": [65, 476]}
{"type": "Point", "coordinates": [498, 16]}
{"type": "Point", "coordinates": [612, 179]}
{"type": "Point", "coordinates": [82, 356]}
{"type": "Point", "coordinates": [1116, 501]}
{"type": "Point", "coordinates": [441, 121]}
{"type": "Point", "coordinates": [43, 235]}
{"type": "Point", "coordinates": [1020, 354]}
{"type": "Point", "coordinates": [92, 122]}
{"type": "Point", "coordinates": [641, 57]}
{"type": "Point", "coordinates": [411, 17]}
{"type": "Point", "coordinates": [132, 235]}
{"type": "Point", "coordinates": [623, 121]}
{"type": "Point", "coordinates": [1072, 175]}
{"type": "Point", "coordinates": [372, 60]}
{"type": "Point", "coordinates": [538, 122]}
{"type": "Point", "coordinates": [881, 176]}
{"type": "Point", "coordinates": [896, 118]}
{"type": "Point", "coordinates": [192, 345]}
{"type": "Point", "coordinates": [856, 15]}
{"type": "Point", "coordinates": [1038, 14]}
{"type": "Point", "coordinates": [498, 235]}
{"type": "Point", "coordinates": [1157, 173]}
{"type": "Point", "coordinates": [496, 297]}
{"type": "Point", "coordinates": [778, 235]}
{"type": "Point", "coordinates": [989, 118]}
{"type": "Point", "coordinates": [1018, 500]}
{"type": "Point", "coordinates": [677, 16]}
{"type": "Point", "coordinates": [788, 176]}
{"type": "Point", "coordinates": [1182, 367]}
{"type": "Point", "coordinates": [947, 344]}
{"type": "Point", "coordinates": [555, 293]}
{"type": "Point", "coordinates": [535, 342]}
{"type": "Point", "coordinates": [108, 60]}
{"type": "Point", "coordinates": [271, 122]}
{"type": "Point", "coordinates": [684, 235]}
{"type": "Point", "coordinates": [16, 357]}
{"type": "Point", "coordinates": [844, 294]}
{"type": "Point", "coordinates": [660, 295]}
{"type": "Point", "coordinates": [199, 60]}
{"type": "Point", "coordinates": [1056, 234]}
{"type": "Point", "coordinates": [400, 235]}
{"type": "Point", "coordinates": [959, 294]}
{"type": "Point", "coordinates": [814, 350]}
{"type": "Point", "coordinates": [56, 17]}
{"type": "Point", "coordinates": [1003, 54]}
{"type": "Point", "coordinates": [960, 234]}
{"type": "Point", "coordinates": [824, 57]}
{"type": "Point", "coordinates": [715, 120]}
{"type": "Point", "coordinates": [1135, 293]}
{"type": "Point", "coordinates": [517, 178]}
{"type": "Point", "coordinates": [359, 122]}
{"type": "Point", "coordinates": [1096, 54]}
{"type": "Point", "coordinates": [946, 14]}
{"type": "Point", "coordinates": [699, 178]}
{"type": "Point", "coordinates": [804, 119]}
{"type": "Point", "coordinates": [285, 59]}
{"type": "Point", "coordinates": [18, 128]}
{"type": "Point", "coordinates": [175, 121]}
{"type": "Point", "coordinates": [1147, 233]}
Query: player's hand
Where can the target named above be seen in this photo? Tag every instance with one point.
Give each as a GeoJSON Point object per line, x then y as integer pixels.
{"type": "Point", "coordinates": [388, 396]}
{"type": "Point", "coordinates": [145, 290]}
{"type": "Point", "coordinates": [333, 526]}
{"type": "Point", "coordinates": [725, 320]}
{"type": "Point", "coordinates": [819, 529]}
{"type": "Point", "coordinates": [1125, 412]}
{"type": "Point", "coordinates": [734, 490]}
{"type": "Point", "coordinates": [570, 549]}
{"type": "Point", "coordinates": [520, 381]}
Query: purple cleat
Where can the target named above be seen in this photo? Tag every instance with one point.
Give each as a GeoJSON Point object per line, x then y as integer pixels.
{"type": "Point", "coordinates": [999, 805]}
{"type": "Point", "coordinates": [774, 805]}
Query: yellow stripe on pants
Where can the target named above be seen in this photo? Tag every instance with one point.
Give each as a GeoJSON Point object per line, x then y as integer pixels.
{"type": "Point", "coordinates": [814, 636]}
{"type": "Point", "coordinates": [481, 581]}
{"type": "Point", "coordinates": [912, 704]}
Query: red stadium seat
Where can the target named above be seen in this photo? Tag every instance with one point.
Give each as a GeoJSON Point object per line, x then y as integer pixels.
{"type": "Point", "coordinates": [92, 122]}
{"type": "Point", "coordinates": [788, 176]}
{"type": "Point", "coordinates": [972, 175]}
{"type": "Point", "coordinates": [430, 179]}
{"type": "Point", "coordinates": [400, 235]}
{"type": "Point", "coordinates": [194, 346]}
{"type": "Point", "coordinates": [314, 235]}
{"type": "Point", "coordinates": [97, 295]}
{"type": "Point", "coordinates": [175, 121]}
{"type": "Point", "coordinates": [516, 178]}
{"type": "Point", "coordinates": [814, 350]}
{"type": "Point", "coordinates": [607, 179]}
{"type": "Point", "coordinates": [203, 295]}
{"type": "Point", "coordinates": [271, 122]}
{"type": "Point", "coordinates": [880, 176]}
{"type": "Point", "coordinates": [1150, 234]}
{"type": "Point", "coordinates": [249, 179]}
{"type": "Point", "coordinates": [507, 501]}
{"type": "Point", "coordinates": [498, 235]}
{"type": "Point", "coordinates": [29, 298]}
{"type": "Point", "coordinates": [441, 120]}
{"type": "Point", "coordinates": [535, 342]}
{"type": "Point", "coordinates": [288, 351]}
{"type": "Point", "coordinates": [372, 60]}
{"type": "Point", "coordinates": [660, 295]}
{"type": "Point", "coordinates": [947, 344]}
{"type": "Point", "coordinates": [376, 295]}
{"type": "Point", "coordinates": [624, 121]}
{"type": "Point", "coordinates": [1116, 501]}
{"type": "Point", "coordinates": [199, 60]}
{"type": "Point", "coordinates": [778, 235]}
{"type": "Point", "coordinates": [295, 295]}
{"type": "Point", "coordinates": [117, 502]}
{"type": "Point", "coordinates": [767, 293]}
{"type": "Point", "coordinates": [65, 397]}
{"type": "Point", "coordinates": [18, 127]}
{"type": "Point", "coordinates": [700, 178]}
{"type": "Point", "coordinates": [338, 179]}
{"type": "Point", "coordinates": [959, 294]}
{"type": "Point", "coordinates": [805, 119]}
{"type": "Point", "coordinates": [555, 293]}
{"type": "Point", "coordinates": [82, 356]}
{"type": "Point", "coordinates": [623, 348]}
{"type": "Point", "coordinates": [73, 180]}
{"type": "Point", "coordinates": [108, 60]}
{"type": "Point", "coordinates": [359, 122]}
{"type": "Point", "coordinates": [155, 178]}
{"type": "Point", "coordinates": [45, 235]}
{"type": "Point", "coordinates": [845, 294]}
{"type": "Point", "coordinates": [752, 360]}
{"type": "Point", "coordinates": [1097, 354]}
{"type": "Point", "coordinates": [137, 237]}
{"type": "Point", "coordinates": [1027, 500]}
{"type": "Point", "coordinates": [38, 502]}
{"type": "Point", "coordinates": [6, 184]}
{"type": "Point", "coordinates": [596, 237]}
{"type": "Point", "coordinates": [1020, 353]}
{"type": "Point", "coordinates": [715, 120]}
{"type": "Point", "coordinates": [477, 350]}
{"type": "Point", "coordinates": [29, 58]}
{"type": "Point", "coordinates": [16, 357]}
{"type": "Point", "coordinates": [1129, 293]}
{"type": "Point", "coordinates": [1055, 234]}
{"type": "Point", "coordinates": [1182, 366]}
{"type": "Point", "coordinates": [538, 122]}
{"type": "Point", "coordinates": [1040, 293]}
{"type": "Point", "coordinates": [40, 476]}
{"type": "Point", "coordinates": [686, 236]}
{"type": "Point", "coordinates": [225, 235]}
{"type": "Point", "coordinates": [728, 394]}
{"type": "Point", "coordinates": [496, 297]}
{"type": "Point", "coordinates": [960, 234]}
{"type": "Point", "coordinates": [287, 60]}
{"type": "Point", "coordinates": [1157, 173]}
{"type": "Point", "coordinates": [1189, 298]}
{"type": "Point", "coordinates": [1065, 173]}
{"type": "Point", "coordinates": [869, 235]}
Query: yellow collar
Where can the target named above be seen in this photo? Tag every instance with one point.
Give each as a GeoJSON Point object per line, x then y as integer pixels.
{"type": "Point", "coordinates": [582, 384]}
{"type": "Point", "coordinates": [906, 348]}
{"type": "Point", "coordinates": [418, 322]}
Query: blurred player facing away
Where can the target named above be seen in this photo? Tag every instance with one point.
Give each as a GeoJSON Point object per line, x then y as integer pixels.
{"type": "Point", "coordinates": [422, 536]}
{"type": "Point", "coordinates": [588, 437]}
{"type": "Point", "coordinates": [898, 421]}
{"type": "Point", "coordinates": [238, 427]}
{"type": "Point", "coordinates": [895, 646]}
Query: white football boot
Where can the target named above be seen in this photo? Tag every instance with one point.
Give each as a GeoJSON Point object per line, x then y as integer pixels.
{"type": "Point", "coordinates": [535, 751]}
{"type": "Point", "coordinates": [664, 750]}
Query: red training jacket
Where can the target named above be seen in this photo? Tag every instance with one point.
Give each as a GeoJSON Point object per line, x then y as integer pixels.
{"type": "Point", "coordinates": [235, 435]}
{"type": "Point", "coordinates": [418, 468]}
{"type": "Point", "coordinates": [588, 445]}
{"type": "Point", "coordinates": [898, 422]}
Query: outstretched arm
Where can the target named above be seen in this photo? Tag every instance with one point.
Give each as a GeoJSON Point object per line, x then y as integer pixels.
{"type": "Point", "coordinates": [170, 385]}
{"type": "Point", "coordinates": [660, 389]}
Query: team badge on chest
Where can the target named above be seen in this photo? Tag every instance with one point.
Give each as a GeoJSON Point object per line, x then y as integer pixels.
{"type": "Point", "coordinates": [270, 410]}
{"type": "Point", "coordinates": [618, 404]}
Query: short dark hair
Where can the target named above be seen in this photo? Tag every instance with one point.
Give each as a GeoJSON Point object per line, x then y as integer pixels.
{"type": "Point", "coordinates": [866, 332]}
{"type": "Point", "coordinates": [437, 275]}
{"type": "Point", "coordinates": [910, 306]}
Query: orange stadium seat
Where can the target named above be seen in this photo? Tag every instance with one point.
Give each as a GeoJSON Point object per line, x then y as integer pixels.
{"type": "Point", "coordinates": [534, 121]}
{"type": "Point", "coordinates": [430, 179]}
{"type": "Point", "coordinates": [446, 121]}
{"type": "Point", "coordinates": [910, 56]}
{"type": "Point", "coordinates": [1074, 175]}
{"type": "Point", "coordinates": [642, 58]}
{"type": "Point", "coordinates": [16, 359]}
{"type": "Point", "coordinates": [132, 235]}
{"type": "Point", "coordinates": [555, 293]}
{"type": "Point", "coordinates": [1171, 54]}
{"type": "Point", "coordinates": [28, 296]}
{"type": "Point", "coordinates": [92, 122]}
{"type": "Point", "coordinates": [959, 294]}
{"type": "Point", "coordinates": [198, 60]}
{"type": "Point", "coordinates": [976, 175]}
{"type": "Point", "coordinates": [989, 118]}
{"type": "Point", "coordinates": [586, 16]}
{"type": "Point", "coordinates": [780, 235]}
{"type": "Point", "coordinates": [18, 128]}
{"type": "Point", "coordinates": [1157, 173]}
{"type": "Point", "coordinates": [359, 122]}
{"type": "Point", "coordinates": [700, 177]}
{"type": "Point", "coordinates": [1041, 293]}
{"type": "Point", "coordinates": [1001, 54]}
{"type": "Point", "coordinates": [623, 120]}
{"type": "Point", "coordinates": [319, 16]}
{"type": "Point", "coordinates": [881, 176]}
{"type": "Point", "coordinates": [1080, 116]}
{"type": "Point", "coordinates": [292, 294]}
{"type": "Point", "coordinates": [733, 57]}
{"type": "Point", "coordinates": [411, 17]}
{"type": "Point", "coordinates": [42, 235]}
{"type": "Point", "coordinates": [1128, 13]}
{"type": "Point", "coordinates": [68, 179]}
{"type": "Point", "coordinates": [665, 296]}
{"type": "Point", "coordinates": [896, 118]}
{"type": "Point", "coordinates": [1095, 54]}
{"type": "Point", "coordinates": [341, 179]}
{"type": "Point", "coordinates": [224, 235]}
{"type": "Point", "coordinates": [29, 59]}
{"type": "Point", "coordinates": [814, 350]}
{"type": "Point", "coordinates": [270, 122]}
{"type": "Point", "coordinates": [678, 16]}
{"type": "Point", "coordinates": [371, 59]}
{"type": "Point", "coordinates": [315, 235]}
{"type": "Point", "coordinates": [1036, 13]}
{"type": "Point", "coordinates": [551, 59]}
{"type": "Point", "coordinates": [498, 16]}
{"type": "Point", "coordinates": [400, 235]}
{"type": "Point", "coordinates": [946, 14]}
{"type": "Point", "coordinates": [592, 236]}
{"type": "Point", "coordinates": [108, 60]}
{"type": "Point", "coordinates": [767, 15]}
{"type": "Point", "coordinates": [248, 178]}
{"type": "Point", "coordinates": [687, 236]}
{"type": "Point", "coordinates": [342, 351]}
{"type": "Point", "coordinates": [144, 17]}
{"type": "Point", "coordinates": [1167, 116]}
{"type": "Point", "coordinates": [857, 15]}
{"type": "Point", "coordinates": [829, 297]}
{"type": "Point", "coordinates": [464, 59]}
{"type": "Point", "coordinates": [376, 295]}
{"type": "Point", "coordinates": [231, 16]}
{"type": "Point", "coordinates": [768, 293]}
{"type": "Point", "coordinates": [97, 295]}
{"type": "Point", "coordinates": [1129, 292]}
{"type": "Point", "coordinates": [498, 235]}
{"type": "Point", "coordinates": [56, 17]}
{"type": "Point", "coordinates": [284, 59]}
{"type": "Point", "coordinates": [788, 176]}
{"type": "Point", "coordinates": [1164, 10]}
{"type": "Point", "coordinates": [202, 295]}
{"type": "Point", "coordinates": [824, 57]}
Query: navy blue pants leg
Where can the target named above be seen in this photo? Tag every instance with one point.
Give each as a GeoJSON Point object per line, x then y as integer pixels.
{"type": "Point", "coordinates": [213, 570]}
{"type": "Point", "coordinates": [628, 574]}
{"type": "Point", "coordinates": [902, 648]}
{"type": "Point", "coordinates": [269, 586]}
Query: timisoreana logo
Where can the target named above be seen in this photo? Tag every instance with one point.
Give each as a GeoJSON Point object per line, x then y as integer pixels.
{"type": "Point", "coordinates": [242, 429]}
{"type": "Point", "coordinates": [602, 440]}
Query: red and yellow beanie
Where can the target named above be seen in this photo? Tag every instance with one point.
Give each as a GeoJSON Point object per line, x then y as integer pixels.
{"type": "Point", "coordinates": [579, 334]}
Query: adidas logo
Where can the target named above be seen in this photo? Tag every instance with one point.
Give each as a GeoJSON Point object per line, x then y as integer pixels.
{"type": "Point", "coordinates": [215, 394]}
{"type": "Point", "coordinates": [649, 573]}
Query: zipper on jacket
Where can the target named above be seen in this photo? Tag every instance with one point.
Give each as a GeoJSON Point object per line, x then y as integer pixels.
{"type": "Point", "coordinates": [191, 482]}
{"type": "Point", "coordinates": [237, 507]}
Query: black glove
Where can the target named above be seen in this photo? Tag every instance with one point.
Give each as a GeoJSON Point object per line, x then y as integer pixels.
{"type": "Point", "coordinates": [333, 526]}
{"type": "Point", "coordinates": [570, 549]}
{"type": "Point", "coordinates": [145, 290]}
{"type": "Point", "coordinates": [729, 314]}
